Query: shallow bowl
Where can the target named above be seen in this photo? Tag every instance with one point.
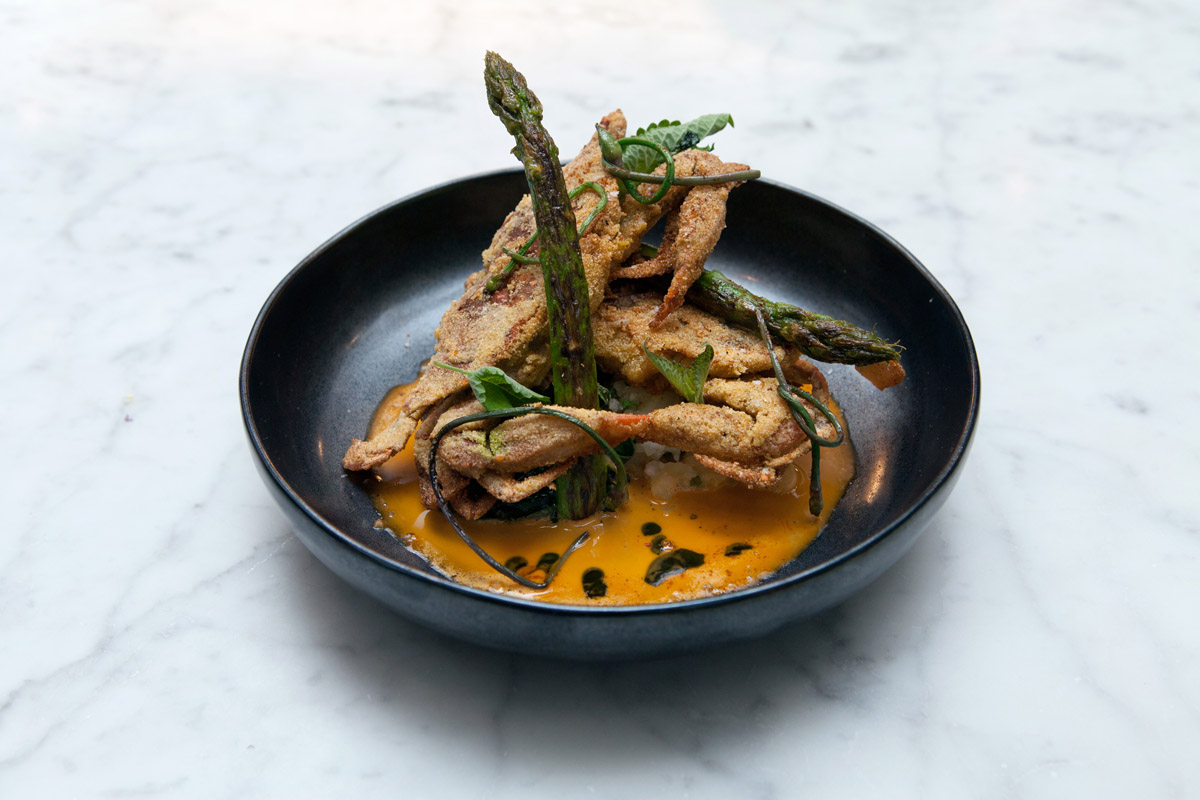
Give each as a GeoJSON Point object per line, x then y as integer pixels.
{"type": "Point", "coordinates": [357, 316]}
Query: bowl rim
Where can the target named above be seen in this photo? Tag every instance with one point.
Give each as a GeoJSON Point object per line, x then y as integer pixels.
{"type": "Point", "coordinates": [934, 488]}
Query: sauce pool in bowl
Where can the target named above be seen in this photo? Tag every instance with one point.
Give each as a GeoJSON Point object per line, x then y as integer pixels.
{"type": "Point", "coordinates": [644, 552]}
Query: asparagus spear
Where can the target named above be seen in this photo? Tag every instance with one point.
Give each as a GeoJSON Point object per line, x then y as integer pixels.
{"type": "Point", "coordinates": [816, 335]}
{"type": "Point", "coordinates": [572, 353]}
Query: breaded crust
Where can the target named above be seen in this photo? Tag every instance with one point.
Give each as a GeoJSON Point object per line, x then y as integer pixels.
{"type": "Point", "coordinates": [623, 324]}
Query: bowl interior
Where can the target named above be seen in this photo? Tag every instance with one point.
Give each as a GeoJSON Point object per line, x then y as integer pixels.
{"type": "Point", "coordinates": [358, 316]}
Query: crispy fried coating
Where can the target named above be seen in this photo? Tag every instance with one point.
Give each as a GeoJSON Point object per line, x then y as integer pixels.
{"type": "Point", "coordinates": [760, 400]}
{"type": "Point", "coordinates": [754, 428]}
{"type": "Point", "coordinates": [638, 267]}
{"type": "Point", "coordinates": [379, 448]}
{"type": "Point", "coordinates": [458, 489]}
{"type": "Point", "coordinates": [454, 485]}
{"type": "Point", "coordinates": [693, 230]}
{"type": "Point", "coordinates": [751, 476]}
{"type": "Point", "coordinates": [623, 323]}
{"type": "Point", "coordinates": [508, 489]}
{"type": "Point", "coordinates": [599, 245]}
{"type": "Point", "coordinates": [535, 440]}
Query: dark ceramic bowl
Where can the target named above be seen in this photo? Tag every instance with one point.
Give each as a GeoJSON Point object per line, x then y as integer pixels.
{"type": "Point", "coordinates": [357, 317]}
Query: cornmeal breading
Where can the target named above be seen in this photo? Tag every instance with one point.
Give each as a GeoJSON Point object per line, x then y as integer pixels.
{"type": "Point", "coordinates": [623, 324]}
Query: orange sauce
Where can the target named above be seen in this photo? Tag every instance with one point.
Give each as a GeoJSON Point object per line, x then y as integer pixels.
{"type": "Point", "coordinates": [775, 524]}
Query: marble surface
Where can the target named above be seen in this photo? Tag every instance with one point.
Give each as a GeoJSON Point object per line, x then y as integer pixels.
{"type": "Point", "coordinates": [163, 634]}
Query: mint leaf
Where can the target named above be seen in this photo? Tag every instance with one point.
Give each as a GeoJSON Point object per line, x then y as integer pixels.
{"type": "Point", "coordinates": [688, 381]}
{"type": "Point", "coordinates": [639, 158]}
{"type": "Point", "coordinates": [495, 390]}
{"type": "Point", "coordinates": [678, 137]}
{"type": "Point", "coordinates": [675, 136]}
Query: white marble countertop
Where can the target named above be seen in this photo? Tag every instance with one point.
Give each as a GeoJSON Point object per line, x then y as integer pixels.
{"type": "Point", "coordinates": [164, 164]}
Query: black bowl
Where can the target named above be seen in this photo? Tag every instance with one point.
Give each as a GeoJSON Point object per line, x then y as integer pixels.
{"type": "Point", "coordinates": [357, 317]}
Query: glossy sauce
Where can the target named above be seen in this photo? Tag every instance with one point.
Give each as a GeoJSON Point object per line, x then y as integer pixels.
{"type": "Point", "coordinates": [774, 524]}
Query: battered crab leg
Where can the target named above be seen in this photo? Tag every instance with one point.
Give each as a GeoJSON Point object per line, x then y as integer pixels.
{"type": "Point", "coordinates": [472, 458]}
{"type": "Point", "coordinates": [534, 441]}
{"type": "Point", "coordinates": [720, 439]}
{"type": "Point", "coordinates": [691, 233]}
{"type": "Point", "coordinates": [622, 329]}
{"type": "Point", "coordinates": [748, 438]}
{"type": "Point", "coordinates": [460, 492]}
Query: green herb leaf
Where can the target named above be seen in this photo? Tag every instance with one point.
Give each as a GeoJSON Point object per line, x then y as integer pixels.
{"type": "Point", "coordinates": [495, 390]}
{"type": "Point", "coordinates": [672, 563]}
{"type": "Point", "coordinates": [675, 136]}
{"type": "Point", "coordinates": [516, 562]}
{"type": "Point", "coordinates": [688, 381]}
{"type": "Point", "coordinates": [546, 561]}
{"type": "Point", "coordinates": [737, 548]}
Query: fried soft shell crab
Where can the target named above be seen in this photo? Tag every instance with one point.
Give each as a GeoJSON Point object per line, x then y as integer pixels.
{"type": "Point", "coordinates": [743, 430]}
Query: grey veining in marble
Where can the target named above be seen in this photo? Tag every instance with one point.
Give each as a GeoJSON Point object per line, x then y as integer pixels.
{"type": "Point", "coordinates": [164, 164]}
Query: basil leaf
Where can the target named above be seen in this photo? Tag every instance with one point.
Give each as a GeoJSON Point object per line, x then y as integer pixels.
{"type": "Point", "coordinates": [678, 137]}
{"type": "Point", "coordinates": [495, 390]}
{"type": "Point", "coordinates": [675, 136]}
{"type": "Point", "coordinates": [688, 381]}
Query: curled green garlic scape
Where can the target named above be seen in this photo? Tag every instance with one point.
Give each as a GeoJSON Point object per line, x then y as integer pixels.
{"type": "Point", "coordinates": [792, 396]}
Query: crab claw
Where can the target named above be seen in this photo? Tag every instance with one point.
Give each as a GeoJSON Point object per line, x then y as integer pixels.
{"type": "Point", "coordinates": [747, 438]}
